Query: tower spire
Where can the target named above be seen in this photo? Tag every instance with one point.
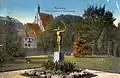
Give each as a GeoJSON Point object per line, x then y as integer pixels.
{"type": "Point", "coordinates": [38, 8]}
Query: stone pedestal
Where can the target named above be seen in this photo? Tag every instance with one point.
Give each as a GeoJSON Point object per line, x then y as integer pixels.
{"type": "Point", "coordinates": [58, 56]}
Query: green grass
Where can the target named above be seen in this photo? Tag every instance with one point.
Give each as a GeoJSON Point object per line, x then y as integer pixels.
{"type": "Point", "coordinates": [104, 64]}
{"type": "Point", "coordinates": [21, 63]}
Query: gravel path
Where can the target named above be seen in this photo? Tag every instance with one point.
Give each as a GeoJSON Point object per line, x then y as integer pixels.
{"type": "Point", "coordinates": [101, 74]}
{"type": "Point", "coordinates": [12, 74]}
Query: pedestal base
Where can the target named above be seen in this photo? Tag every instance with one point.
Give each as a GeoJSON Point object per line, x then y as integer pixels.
{"type": "Point", "coordinates": [58, 56]}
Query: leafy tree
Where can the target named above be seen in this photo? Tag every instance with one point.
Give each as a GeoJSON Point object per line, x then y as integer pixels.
{"type": "Point", "coordinates": [109, 28]}
{"type": "Point", "coordinates": [12, 42]}
{"type": "Point", "coordinates": [96, 21]}
{"type": "Point", "coordinates": [48, 41]}
{"type": "Point", "coordinates": [80, 48]}
{"type": "Point", "coordinates": [93, 21]}
{"type": "Point", "coordinates": [116, 39]}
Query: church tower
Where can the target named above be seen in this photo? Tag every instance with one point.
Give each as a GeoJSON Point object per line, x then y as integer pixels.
{"type": "Point", "coordinates": [38, 8]}
{"type": "Point", "coordinates": [38, 19]}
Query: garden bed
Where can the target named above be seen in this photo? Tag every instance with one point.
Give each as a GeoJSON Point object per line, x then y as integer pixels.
{"type": "Point", "coordinates": [52, 69]}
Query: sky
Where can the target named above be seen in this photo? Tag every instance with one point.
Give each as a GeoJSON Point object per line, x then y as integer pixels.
{"type": "Point", "coordinates": [25, 10]}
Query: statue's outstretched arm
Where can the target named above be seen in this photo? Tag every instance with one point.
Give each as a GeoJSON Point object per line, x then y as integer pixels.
{"type": "Point", "coordinates": [62, 30]}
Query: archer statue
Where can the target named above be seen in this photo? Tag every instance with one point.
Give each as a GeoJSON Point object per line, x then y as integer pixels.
{"type": "Point", "coordinates": [59, 36]}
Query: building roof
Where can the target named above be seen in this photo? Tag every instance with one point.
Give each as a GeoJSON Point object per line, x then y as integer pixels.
{"type": "Point", "coordinates": [46, 19]}
{"type": "Point", "coordinates": [34, 27]}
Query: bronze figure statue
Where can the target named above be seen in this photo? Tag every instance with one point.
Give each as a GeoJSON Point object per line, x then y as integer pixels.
{"type": "Point", "coordinates": [59, 37]}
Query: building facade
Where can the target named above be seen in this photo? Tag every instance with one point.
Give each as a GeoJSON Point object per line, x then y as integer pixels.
{"type": "Point", "coordinates": [32, 30]}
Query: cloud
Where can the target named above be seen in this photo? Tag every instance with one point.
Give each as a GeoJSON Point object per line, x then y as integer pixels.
{"type": "Point", "coordinates": [117, 6]}
{"type": "Point", "coordinates": [116, 22]}
{"type": "Point", "coordinates": [117, 19]}
{"type": "Point", "coordinates": [108, 0]}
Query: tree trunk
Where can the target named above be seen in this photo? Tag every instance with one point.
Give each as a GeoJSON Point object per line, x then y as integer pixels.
{"type": "Point", "coordinates": [108, 49]}
{"type": "Point", "coordinates": [115, 49]}
{"type": "Point", "coordinates": [94, 47]}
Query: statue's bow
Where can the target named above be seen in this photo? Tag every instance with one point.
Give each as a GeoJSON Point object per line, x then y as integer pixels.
{"type": "Point", "coordinates": [64, 24]}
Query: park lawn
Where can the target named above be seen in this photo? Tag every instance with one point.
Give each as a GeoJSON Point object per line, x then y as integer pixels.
{"type": "Point", "coordinates": [12, 67]}
{"type": "Point", "coordinates": [104, 64]}
{"type": "Point", "coordinates": [21, 63]}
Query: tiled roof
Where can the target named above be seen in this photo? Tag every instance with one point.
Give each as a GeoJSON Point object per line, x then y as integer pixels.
{"type": "Point", "coordinates": [34, 27]}
{"type": "Point", "coordinates": [46, 19]}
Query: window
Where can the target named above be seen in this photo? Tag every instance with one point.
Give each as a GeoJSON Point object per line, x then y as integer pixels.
{"type": "Point", "coordinates": [25, 39]}
{"type": "Point", "coordinates": [28, 45]}
{"type": "Point", "coordinates": [25, 45]}
{"type": "Point", "coordinates": [29, 39]}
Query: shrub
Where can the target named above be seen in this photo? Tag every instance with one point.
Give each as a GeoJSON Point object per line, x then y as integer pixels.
{"type": "Point", "coordinates": [80, 48]}
{"type": "Point", "coordinates": [68, 67]}
{"type": "Point", "coordinates": [49, 65]}
{"type": "Point", "coordinates": [59, 67]}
